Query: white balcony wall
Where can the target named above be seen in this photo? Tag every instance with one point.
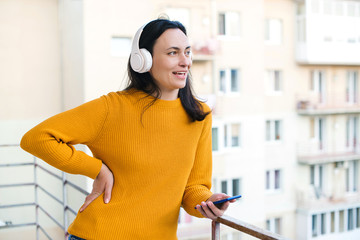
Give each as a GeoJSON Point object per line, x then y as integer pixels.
{"type": "Point", "coordinates": [328, 33]}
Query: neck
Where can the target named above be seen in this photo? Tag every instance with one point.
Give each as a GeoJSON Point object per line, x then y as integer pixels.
{"type": "Point", "coordinates": [169, 95]}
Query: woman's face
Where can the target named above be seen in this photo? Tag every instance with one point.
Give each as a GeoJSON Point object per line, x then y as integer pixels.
{"type": "Point", "coordinates": [171, 62]}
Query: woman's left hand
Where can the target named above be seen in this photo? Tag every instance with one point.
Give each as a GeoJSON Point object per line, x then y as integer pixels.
{"type": "Point", "coordinates": [209, 210]}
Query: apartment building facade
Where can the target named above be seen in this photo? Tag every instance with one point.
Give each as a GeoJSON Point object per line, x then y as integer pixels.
{"type": "Point", "coordinates": [280, 75]}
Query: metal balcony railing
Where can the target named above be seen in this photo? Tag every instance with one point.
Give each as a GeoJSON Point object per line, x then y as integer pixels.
{"type": "Point", "coordinates": [226, 220]}
{"type": "Point", "coordinates": [37, 186]}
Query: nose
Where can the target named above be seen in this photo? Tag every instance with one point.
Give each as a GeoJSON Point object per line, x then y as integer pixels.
{"type": "Point", "coordinates": [185, 60]}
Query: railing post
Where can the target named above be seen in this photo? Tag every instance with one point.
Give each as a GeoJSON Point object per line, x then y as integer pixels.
{"type": "Point", "coordinates": [64, 202]}
{"type": "Point", "coordinates": [36, 199]}
{"type": "Point", "coordinates": [215, 230]}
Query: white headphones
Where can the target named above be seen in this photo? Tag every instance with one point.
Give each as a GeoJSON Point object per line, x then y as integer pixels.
{"type": "Point", "coordinates": [140, 59]}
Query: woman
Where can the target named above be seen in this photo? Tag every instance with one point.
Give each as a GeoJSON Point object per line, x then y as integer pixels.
{"type": "Point", "coordinates": [151, 145]}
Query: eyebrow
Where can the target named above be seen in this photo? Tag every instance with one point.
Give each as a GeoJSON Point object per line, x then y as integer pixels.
{"type": "Point", "coordinates": [177, 48]}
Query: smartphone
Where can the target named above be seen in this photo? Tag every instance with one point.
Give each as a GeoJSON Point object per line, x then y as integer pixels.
{"type": "Point", "coordinates": [227, 199]}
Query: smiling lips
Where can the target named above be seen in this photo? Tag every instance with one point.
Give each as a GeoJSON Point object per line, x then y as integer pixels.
{"type": "Point", "coordinates": [181, 75]}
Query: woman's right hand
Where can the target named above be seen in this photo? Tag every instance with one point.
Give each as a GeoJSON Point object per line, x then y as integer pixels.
{"type": "Point", "coordinates": [103, 183]}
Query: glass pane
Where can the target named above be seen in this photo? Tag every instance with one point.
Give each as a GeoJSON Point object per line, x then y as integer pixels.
{"type": "Point", "coordinates": [268, 225]}
{"type": "Point", "coordinates": [233, 23]}
{"type": "Point", "coordinates": [234, 80]}
{"type": "Point", "coordinates": [120, 47]}
{"type": "Point", "coordinates": [312, 174]}
{"type": "Point", "coordinates": [224, 187]}
{"type": "Point", "coordinates": [355, 179]}
{"type": "Point", "coordinates": [323, 223]}
{"type": "Point", "coordinates": [341, 221]}
{"type": "Point", "coordinates": [277, 226]}
{"type": "Point", "coordinates": [226, 136]}
{"type": "Point", "coordinates": [314, 225]}
{"type": "Point", "coordinates": [315, 6]}
{"type": "Point", "coordinates": [332, 222]}
{"type": "Point", "coordinates": [221, 24]}
{"type": "Point", "coordinates": [268, 131]}
{"type": "Point", "coordinates": [350, 220]}
{"type": "Point", "coordinates": [357, 218]}
{"type": "Point", "coordinates": [277, 130]}
{"type": "Point", "coordinates": [277, 179]}
{"type": "Point", "coordinates": [180, 14]}
{"type": "Point", "coordinates": [312, 128]}
{"type": "Point", "coordinates": [236, 187]}
{"type": "Point", "coordinates": [277, 81]}
{"type": "Point", "coordinates": [222, 81]}
{"type": "Point", "coordinates": [267, 179]}
{"type": "Point", "coordinates": [215, 139]}
{"type": "Point", "coordinates": [235, 138]}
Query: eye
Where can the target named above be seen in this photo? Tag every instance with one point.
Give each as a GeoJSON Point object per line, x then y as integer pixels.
{"type": "Point", "coordinates": [172, 53]}
{"type": "Point", "coordinates": [188, 53]}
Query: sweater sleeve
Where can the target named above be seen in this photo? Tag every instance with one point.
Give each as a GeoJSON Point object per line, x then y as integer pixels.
{"type": "Point", "coordinates": [53, 139]}
{"type": "Point", "coordinates": [199, 182]}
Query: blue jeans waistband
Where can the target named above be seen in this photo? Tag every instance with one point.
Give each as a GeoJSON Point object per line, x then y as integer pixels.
{"type": "Point", "coordinates": [72, 237]}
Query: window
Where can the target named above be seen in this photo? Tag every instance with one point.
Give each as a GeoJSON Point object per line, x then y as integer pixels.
{"type": "Point", "coordinates": [274, 81]}
{"type": "Point", "coordinates": [351, 133]}
{"type": "Point", "coordinates": [350, 219]}
{"type": "Point", "coordinates": [229, 80]}
{"type": "Point", "coordinates": [226, 136]}
{"type": "Point", "coordinates": [232, 135]}
{"type": "Point", "coordinates": [273, 180]}
{"type": "Point", "coordinates": [327, 7]}
{"type": "Point", "coordinates": [317, 132]}
{"type": "Point", "coordinates": [352, 87]}
{"type": "Point", "coordinates": [332, 226]}
{"type": "Point", "coordinates": [231, 186]}
{"type": "Point", "coordinates": [316, 178]}
{"type": "Point", "coordinates": [315, 6]}
{"type": "Point", "coordinates": [317, 84]}
{"type": "Point", "coordinates": [323, 223]}
{"type": "Point", "coordinates": [179, 14]}
{"type": "Point", "coordinates": [229, 24]}
{"type": "Point", "coordinates": [273, 130]}
{"type": "Point", "coordinates": [120, 47]}
{"type": "Point", "coordinates": [274, 225]}
{"type": "Point", "coordinates": [273, 31]}
{"type": "Point", "coordinates": [314, 225]}
{"type": "Point", "coordinates": [235, 187]}
{"type": "Point", "coordinates": [341, 221]}
{"type": "Point", "coordinates": [352, 176]}
{"type": "Point", "coordinates": [318, 224]}
{"type": "Point", "coordinates": [215, 139]}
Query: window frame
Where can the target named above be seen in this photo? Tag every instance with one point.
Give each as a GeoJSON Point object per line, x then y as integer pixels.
{"type": "Point", "coordinates": [272, 183]}
{"type": "Point", "coordinates": [226, 81]}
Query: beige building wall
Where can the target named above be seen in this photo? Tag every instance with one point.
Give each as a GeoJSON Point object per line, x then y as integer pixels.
{"type": "Point", "coordinates": [56, 55]}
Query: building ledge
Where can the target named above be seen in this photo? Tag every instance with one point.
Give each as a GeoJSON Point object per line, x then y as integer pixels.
{"type": "Point", "coordinates": [328, 158]}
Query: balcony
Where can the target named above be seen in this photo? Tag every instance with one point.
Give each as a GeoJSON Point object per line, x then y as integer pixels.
{"type": "Point", "coordinates": [316, 104]}
{"type": "Point", "coordinates": [315, 198]}
{"type": "Point", "coordinates": [205, 50]}
{"type": "Point", "coordinates": [41, 224]}
{"type": "Point", "coordinates": [319, 152]}
{"type": "Point", "coordinates": [327, 32]}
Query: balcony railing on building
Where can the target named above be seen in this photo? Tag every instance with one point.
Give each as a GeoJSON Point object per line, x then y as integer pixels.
{"type": "Point", "coordinates": [66, 208]}
{"type": "Point", "coordinates": [316, 151]}
{"type": "Point", "coordinates": [322, 104]}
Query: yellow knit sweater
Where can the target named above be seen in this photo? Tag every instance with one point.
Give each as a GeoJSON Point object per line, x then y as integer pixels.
{"type": "Point", "coordinates": [160, 161]}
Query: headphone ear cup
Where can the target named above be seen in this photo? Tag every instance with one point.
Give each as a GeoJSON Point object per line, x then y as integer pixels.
{"type": "Point", "coordinates": [136, 61]}
{"type": "Point", "coordinates": [147, 58]}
